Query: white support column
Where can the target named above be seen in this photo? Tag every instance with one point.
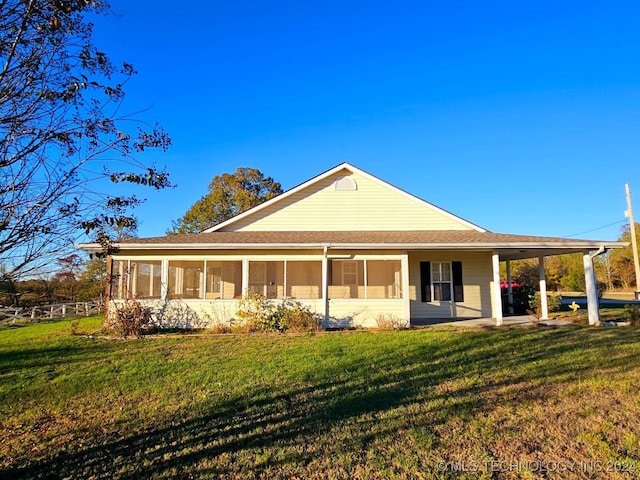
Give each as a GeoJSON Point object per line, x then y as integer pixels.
{"type": "Point", "coordinates": [509, 288]}
{"type": "Point", "coordinates": [245, 277]}
{"type": "Point", "coordinates": [404, 270]}
{"type": "Point", "coordinates": [544, 307]}
{"type": "Point", "coordinates": [497, 294]}
{"type": "Point", "coordinates": [325, 287]}
{"type": "Point", "coordinates": [164, 279]}
{"type": "Point", "coordinates": [592, 292]}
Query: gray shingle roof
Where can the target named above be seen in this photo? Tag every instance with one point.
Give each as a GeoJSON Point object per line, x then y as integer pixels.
{"type": "Point", "coordinates": [363, 237]}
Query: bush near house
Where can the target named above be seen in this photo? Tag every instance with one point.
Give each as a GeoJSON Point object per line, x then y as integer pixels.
{"type": "Point", "coordinates": [260, 314]}
{"type": "Point", "coordinates": [521, 296]}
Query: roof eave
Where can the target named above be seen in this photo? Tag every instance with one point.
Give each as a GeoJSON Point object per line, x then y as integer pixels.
{"type": "Point", "coordinates": [577, 245]}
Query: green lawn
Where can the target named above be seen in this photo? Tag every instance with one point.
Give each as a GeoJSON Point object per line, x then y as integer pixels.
{"type": "Point", "coordinates": [492, 403]}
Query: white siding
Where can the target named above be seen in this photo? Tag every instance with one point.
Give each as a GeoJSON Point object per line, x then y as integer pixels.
{"type": "Point", "coordinates": [363, 313]}
{"type": "Point", "coordinates": [476, 277]}
{"type": "Point", "coordinates": [370, 207]}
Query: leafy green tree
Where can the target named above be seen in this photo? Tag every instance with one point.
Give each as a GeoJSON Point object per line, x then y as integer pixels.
{"type": "Point", "coordinates": [92, 280]}
{"type": "Point", "coordinates": [621, 260]}
{"type": "Point", "coordinates": [62, 134]}
{"type": "Point", "coordinates": [229, 194]}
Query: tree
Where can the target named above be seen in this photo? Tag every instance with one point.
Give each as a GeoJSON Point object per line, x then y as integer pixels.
{"type": "Point", "coordinates": [62, 136]}
{"type": "Point", "coordinates": [92, 281]}
{"type": "Point", "coordinates": [229, 194]}
{"type": "Point", "coordinates": [621, 260]}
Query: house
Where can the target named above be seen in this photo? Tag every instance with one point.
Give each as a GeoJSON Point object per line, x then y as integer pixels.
{"type": "Point", "coordinates": [346, 244]}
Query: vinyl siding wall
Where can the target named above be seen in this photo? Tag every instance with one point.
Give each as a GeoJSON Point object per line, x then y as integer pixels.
{"type": "Point", "coordinates": [477, 280]}
{"type": "Point", "coordinates": [370, 207]}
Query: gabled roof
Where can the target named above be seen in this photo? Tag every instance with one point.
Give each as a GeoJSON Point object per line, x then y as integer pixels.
{"type": "Point", "coordinates": [281, 199]}
{"type": "Point", "coordinates": [468, 237]}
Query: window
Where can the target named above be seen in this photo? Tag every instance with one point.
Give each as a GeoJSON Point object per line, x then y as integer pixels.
{"type": "Point", "coordinates": [185, 278]}
{"type": "Point", "coordinates": [349, 273]}
{"type": "Point", "coordinates": [441, 281]}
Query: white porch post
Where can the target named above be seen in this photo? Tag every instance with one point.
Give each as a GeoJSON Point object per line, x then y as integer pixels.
{"type": "Point", "coordinates": [325, 287]}
{"type": "Point", "coordinates": [404, 269]}
{"type": "Point", "coordinates": [164, 279]}
{"type": "Point", "coordinates": [592, 292]}
{"type": "Point", "coordinates": [245, 276]}
{"type": "Point", "coordinates": [497, 294]}
{"type": "Point", "coordinates": [544, 314]}
{"type": "Point", "coordinates": [509, 288]}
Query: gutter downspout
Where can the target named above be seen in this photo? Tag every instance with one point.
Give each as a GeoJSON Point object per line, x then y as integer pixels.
{"type": "Point", "coordinates": [590, 285]}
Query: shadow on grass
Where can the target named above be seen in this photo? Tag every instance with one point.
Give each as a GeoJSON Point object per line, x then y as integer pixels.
{"type": "Point", "coordinates": [343, 406]}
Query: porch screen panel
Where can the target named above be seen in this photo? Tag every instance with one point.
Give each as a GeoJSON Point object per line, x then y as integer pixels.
{"type": "Point", "coordinates": [186, 278]}
{"type": "Point", "coordinates": [347, 279]}
{"type": "Point", "coordinates": [223, 280]}
{"type": "Point", "coordinates": [304, 279]}
{"type": "Point", "coordinates": [145, 278]}
{"type": "Point", "coordinates": [118, 280]}
{"type": "Point", "coordinates": [267, 278]}
{"type": "Point", "coordinates": [383, 279]}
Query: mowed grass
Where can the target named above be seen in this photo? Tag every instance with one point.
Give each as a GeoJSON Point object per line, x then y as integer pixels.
{"type": "Point", "coordinates": [428, 403]}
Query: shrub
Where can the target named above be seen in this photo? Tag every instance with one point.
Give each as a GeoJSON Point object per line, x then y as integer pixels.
{"type": "Point", "coordinates": [131, 318]}
{"type": "Point", "coordinates": [387, 321]}
{"type": "Point", "coordinates": [535, 304]}
{"type": "Point", "coordinates": [298, 318]}
{"type": "Point", "coordinates": [521, 298]}
{"type": "Point", "coordinates": [262, 315]}
{"type": "Point", "coordinates": [255, 311]}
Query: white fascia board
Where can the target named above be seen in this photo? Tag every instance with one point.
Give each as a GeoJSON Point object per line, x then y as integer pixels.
{"type": "Point", "coordinates": [89, 247]}
{"type": "Point", "coordinates": [279, 198]}
{"type": "Point", "coordinates": [584, 245]}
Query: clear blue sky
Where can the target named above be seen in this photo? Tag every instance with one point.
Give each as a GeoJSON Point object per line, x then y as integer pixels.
{"type": "Point", "coordinates": [520, 117]}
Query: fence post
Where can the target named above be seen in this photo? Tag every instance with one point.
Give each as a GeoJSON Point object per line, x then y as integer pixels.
{"type": "Point", "coordinates": [64, 310]}
{"type": "Point", "coordinates": [86, 309]}
{"type": "Point", "coordinates": [33, 314]}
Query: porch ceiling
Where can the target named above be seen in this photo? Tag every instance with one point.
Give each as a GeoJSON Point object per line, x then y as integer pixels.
{"type": "Point", "coordinates": [521, 254]}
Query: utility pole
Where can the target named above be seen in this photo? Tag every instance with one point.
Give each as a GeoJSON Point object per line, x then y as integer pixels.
{"type": "Point", "coordinates": [634, 244]}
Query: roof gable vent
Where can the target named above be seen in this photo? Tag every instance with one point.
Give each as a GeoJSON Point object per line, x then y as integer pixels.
{"type": "Point", "coordinates": [345, 183]}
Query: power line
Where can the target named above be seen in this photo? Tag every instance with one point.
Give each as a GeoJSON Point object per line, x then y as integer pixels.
{"type": "Point", "coordinates": [598, 228]}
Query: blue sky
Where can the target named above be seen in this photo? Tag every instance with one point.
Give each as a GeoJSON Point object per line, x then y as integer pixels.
{"type": "Point", "coordinates": [521, 117]}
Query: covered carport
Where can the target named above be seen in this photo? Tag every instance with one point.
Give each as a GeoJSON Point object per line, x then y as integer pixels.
{"type": "Point", "coordinates": [589, 250]}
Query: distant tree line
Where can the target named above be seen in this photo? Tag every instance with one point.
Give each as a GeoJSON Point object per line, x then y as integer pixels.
{"type": "Point", "coordinates": [75, 281]}
{"type": "Point", "coordinates": [614, 270]}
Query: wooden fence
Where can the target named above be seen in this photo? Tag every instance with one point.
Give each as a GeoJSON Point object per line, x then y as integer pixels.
{"type": "Point", "coordinates": [12, 315]}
